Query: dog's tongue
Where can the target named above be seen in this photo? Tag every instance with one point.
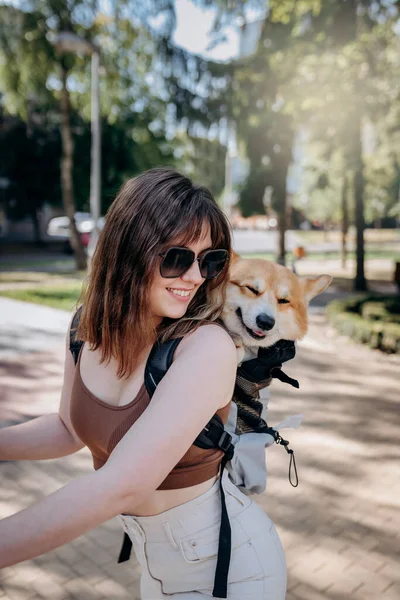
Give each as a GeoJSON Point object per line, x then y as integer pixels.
{"type": "Point", "coordinates": [260, 333]}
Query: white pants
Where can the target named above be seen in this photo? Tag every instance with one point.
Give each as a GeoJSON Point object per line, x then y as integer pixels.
{"type": "Point", "coordinates": [177, 549]}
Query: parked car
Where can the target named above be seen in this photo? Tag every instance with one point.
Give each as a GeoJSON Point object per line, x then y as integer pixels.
{"type": "Point", "coordinates": [59, 228]}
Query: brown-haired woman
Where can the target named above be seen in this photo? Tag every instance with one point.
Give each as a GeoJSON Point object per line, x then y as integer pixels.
{"type": "Point", "coordinates": [163, 250]}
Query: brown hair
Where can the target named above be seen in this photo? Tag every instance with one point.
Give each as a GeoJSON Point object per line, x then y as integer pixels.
{"type": "Point", "coordinates": [152, 210]}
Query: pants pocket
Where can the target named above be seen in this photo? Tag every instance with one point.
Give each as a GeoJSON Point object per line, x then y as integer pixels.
{"type": "Point", "coordinates": [203, 545]}
{"type": "Point", "coordinates": [192, 567]}
{"type": "Point", "coordinates": [200, 552]}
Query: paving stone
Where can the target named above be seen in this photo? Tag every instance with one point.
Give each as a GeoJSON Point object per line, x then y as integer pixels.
{"type": "Point", "coordinates": [392, 593]}
{"type": "Point", "coordinates": [47, 587]}
{"type": "Point", "coordinates": [60, 572]}
{"type": "Point", "coordinates": [112, 589]}
{"type": "Point", "coordinates": [339, 528]}
{"type": "Point", "coordinates": [392, 571]}
{"type": "Point", "coordinates": [80, 588]}
{"type": "Point", "coordinates": [306, 592]}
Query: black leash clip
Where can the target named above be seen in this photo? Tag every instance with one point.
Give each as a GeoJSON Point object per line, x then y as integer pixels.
{"type": "Point", "coordinates": [292, 464]}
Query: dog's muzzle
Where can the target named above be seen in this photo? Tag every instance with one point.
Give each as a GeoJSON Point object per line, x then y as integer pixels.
{"type": "Point", "coordinates": [264, 323]}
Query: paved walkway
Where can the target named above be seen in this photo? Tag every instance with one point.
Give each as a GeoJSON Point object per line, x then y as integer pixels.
{"type": "Point", "coordinates": [340, 527]}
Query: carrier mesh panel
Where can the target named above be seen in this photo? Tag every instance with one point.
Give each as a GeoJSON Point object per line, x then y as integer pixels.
{"type": "Point", "coordinates": [247, 397]}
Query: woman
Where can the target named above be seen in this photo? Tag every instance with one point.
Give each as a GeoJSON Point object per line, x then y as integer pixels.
{"type": "Point", "coordinates": [164, 248]}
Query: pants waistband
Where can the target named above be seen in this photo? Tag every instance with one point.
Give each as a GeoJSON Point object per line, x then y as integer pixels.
{"type": "Point", "coordinates": [187, 518]}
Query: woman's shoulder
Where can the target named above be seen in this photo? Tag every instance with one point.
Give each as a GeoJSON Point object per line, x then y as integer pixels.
{"type": "Point", "coordinates": [210, 338]}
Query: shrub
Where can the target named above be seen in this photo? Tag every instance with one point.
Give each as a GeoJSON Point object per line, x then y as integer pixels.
{"type": "Point", "coordinates": [372, 320]}
{"type": "Point", "coordinates": [379, 311]}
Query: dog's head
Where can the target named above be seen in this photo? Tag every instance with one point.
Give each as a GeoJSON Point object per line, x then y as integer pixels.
{"type": "Point", "coordinates": [266, 302]}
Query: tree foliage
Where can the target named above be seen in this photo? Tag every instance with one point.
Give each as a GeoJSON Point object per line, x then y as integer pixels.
{"type": "Point", "coordinates": [134, 125]}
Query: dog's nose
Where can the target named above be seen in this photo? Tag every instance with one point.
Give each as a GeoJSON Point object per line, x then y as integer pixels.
{"type": "Point", "coordinates": [265, 322]}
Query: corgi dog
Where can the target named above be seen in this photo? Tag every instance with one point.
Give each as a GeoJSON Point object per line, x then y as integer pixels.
{"type": "Point", "coordinates": [266, 302]}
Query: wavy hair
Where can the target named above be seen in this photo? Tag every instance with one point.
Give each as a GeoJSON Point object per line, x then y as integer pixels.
{"type": "Point", "coordinates": [159, 207]}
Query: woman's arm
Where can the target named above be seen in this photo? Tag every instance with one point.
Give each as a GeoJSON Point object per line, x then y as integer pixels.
{"type": "Point", "coordinates": [41, 438]}
{"type": "Point", "coordinates": [200, 380]}
{"type": "Point", "coordinates": [48, 436]}
{"type": "Point", "coordinates": [59, 518]}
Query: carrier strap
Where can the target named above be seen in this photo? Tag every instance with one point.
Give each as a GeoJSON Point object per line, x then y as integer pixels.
{"type": "Point", "coordinates": [126, 549]}
{"type": "Point", "coordinates": [225, 540]}
{"type": "Point", "coordinates": [158, 363]}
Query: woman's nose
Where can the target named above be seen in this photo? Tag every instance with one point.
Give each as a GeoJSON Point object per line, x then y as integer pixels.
{"type": "Point", "coordinates": [193, 274]}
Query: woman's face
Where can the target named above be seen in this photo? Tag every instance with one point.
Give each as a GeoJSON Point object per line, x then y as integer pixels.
{"type": "Point", "coordinates": [166, 297]}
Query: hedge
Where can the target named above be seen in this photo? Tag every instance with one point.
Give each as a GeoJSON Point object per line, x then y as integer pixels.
{"type": "Point", "coordinates": [377, 311]}
{"type": "Point", "coordinates": [370, 320]}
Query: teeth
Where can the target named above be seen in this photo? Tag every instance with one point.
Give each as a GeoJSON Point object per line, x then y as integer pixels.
{"type": "Point", "coordinates": [179, 292]}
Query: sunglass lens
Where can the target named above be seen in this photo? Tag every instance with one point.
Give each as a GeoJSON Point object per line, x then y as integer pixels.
{"type": "Point", "coordinates": [175, 262]}
{"type": "Point", "coordinates": [212, 263]}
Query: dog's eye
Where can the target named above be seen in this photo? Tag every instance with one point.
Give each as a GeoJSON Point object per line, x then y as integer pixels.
{"type": "Point", "coordinates": [255, 292]}
{"type": "Point", "coordinates": [283, 301]}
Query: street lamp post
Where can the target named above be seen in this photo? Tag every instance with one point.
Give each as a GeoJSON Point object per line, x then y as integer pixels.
{"type": "Point", "coordinates": [95, 177]}
{"type": "Point", "coordinates": [69, 42]}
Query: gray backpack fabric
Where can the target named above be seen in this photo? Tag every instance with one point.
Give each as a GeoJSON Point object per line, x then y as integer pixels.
{"type": "Point", "coordinates": [248, 467]}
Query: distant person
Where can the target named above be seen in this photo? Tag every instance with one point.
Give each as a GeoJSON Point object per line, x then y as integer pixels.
{"type": "Point", "coordinates": [164, 247]}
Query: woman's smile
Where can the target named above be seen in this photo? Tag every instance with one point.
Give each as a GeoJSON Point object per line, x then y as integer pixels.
{"type": "Point", "coordinates": [180, 294]}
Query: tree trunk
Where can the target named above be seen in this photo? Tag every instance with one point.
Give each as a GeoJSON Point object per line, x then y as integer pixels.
{"type": "Point", "coordinates": [360, 283]}
{"type": "Point", "coordinates": [282, 226]}
{"type": "Point", "coordinates": [66, 172]}
{"type": "Point", "coordinates": [36, 226]}
{"type": "Point", "coordinates": [345, 217]}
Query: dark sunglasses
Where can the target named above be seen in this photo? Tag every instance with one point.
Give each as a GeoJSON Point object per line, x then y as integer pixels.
{"type": "Point", "coordinates": [176, 261]}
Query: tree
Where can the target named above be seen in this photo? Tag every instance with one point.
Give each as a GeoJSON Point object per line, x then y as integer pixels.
{"type": "Point", "coordinates": [343, 85]}
{"type": "Point", "coordinates": [333, 56]}
{"type": "Point", "coordinates": [264, 121]}
{"type": "Point", "coordinates": [29, 60]}
{"type": "Point", "coordinates": [246, 92]}
{"type": "Point", "coordinates": [204, 161]}
{"type": "Point", "coordinates": [132, 114]}
{"type": "Point", "coordinates": [31, 165]}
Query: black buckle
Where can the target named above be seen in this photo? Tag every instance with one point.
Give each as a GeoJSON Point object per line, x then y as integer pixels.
{"type": "Point", "coordinates": [225, 441]}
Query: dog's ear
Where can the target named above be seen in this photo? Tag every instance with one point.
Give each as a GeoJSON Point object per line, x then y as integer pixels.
{"type": "Point", "coordinates": [234, 256]}
{"type": "Point", "coordinates": [315, 285]}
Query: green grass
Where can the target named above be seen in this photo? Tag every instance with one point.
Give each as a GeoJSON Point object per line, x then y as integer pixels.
{"type": "Point", "coordinates": [40, 278]}
{"type": "Point", "coordinates": [63, 298]}
{"type": "Point", "coordinates": [45, 262]}
{"type": "Point", "coordinates": [390, 254]}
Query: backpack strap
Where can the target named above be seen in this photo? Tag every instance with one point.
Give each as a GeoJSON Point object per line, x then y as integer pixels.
{"type": "Point", "coordinates": [158, 363]}
{"type": "Point", "coordinates": [75, 345]}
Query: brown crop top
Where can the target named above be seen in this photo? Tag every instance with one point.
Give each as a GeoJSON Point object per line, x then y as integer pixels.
{"type": "Point", "coordinates": [101, 426]}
